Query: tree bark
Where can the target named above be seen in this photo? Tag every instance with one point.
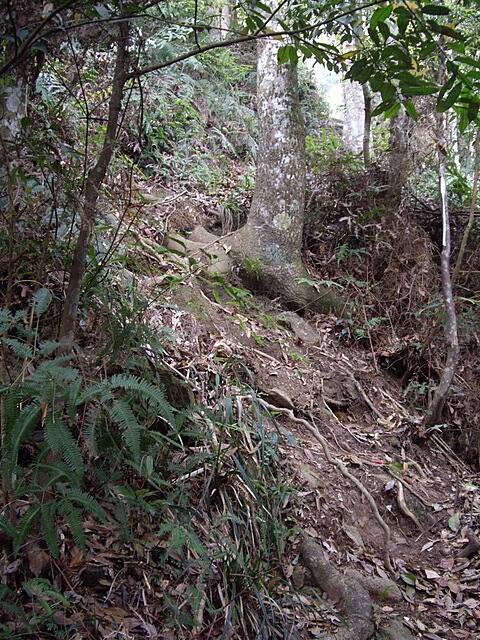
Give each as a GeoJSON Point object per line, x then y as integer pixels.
{"type": "Point", "coordinates": [269, 245]}
{"type": "Point", "coordinates": [451, 333]}
{"type": "Point", "coordinates": [367, 124]}
{"type": "Point", "coordinates": [353, 131]}
{"type": "Point", "coordinates": [94, 181]}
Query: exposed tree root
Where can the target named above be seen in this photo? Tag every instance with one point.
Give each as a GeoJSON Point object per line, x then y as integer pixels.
{"type": "Point", "coordinates": [381, 588]}
{"type": "Point", "coordinates": [404, 507]}
{"type": "Point", "coordinates": [288, 281]}
{"type": "Point", "coordinates": [344, 471]}
{"type": "Point", "coordinates": [354, 599]}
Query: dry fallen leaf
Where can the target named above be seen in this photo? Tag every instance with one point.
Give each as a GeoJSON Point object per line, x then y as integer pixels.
{"type": "Point", "coordinates": [38, 558]}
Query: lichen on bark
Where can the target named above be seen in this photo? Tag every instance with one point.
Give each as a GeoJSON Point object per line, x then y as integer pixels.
{"type": "Point", "coordinates": [273, 234]}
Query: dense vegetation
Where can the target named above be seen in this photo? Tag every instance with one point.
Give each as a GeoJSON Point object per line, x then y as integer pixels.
{"type": "Point", "coordinates": [116, 463]}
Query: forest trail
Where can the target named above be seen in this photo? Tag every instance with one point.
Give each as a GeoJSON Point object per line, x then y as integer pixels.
{"type": "Point", "coordinates": [306, 377]}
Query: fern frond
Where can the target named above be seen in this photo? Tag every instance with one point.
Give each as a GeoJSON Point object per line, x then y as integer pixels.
{"type": "Point", "coordinates": [75, 521]}
{"type": "Point", "coordinates": [13, 396]}
{"type": "Point", "coordinates": [8, 527]}
{"type": "Point", "coordinates": [60, 439]}
{"type": "Point", "coordinates": [41, 300]}
{"type": "Point", "coordinates": [71, 399]}
{"type": "Point", "coordinates": [6, 320]}
{"type": "Point", "coordinates": [47, 523]}
{"type": "Point", "coordinates": [88, 503]}
{"type": "Point", "coordinates": [97, 390]}
{"type": "Point", "coordinates": [46, 348]}
{"type": "Point", "coordinates": [57, 371]}
{"type": "Point", "coordinates": [91, 428]}
{"type": "Point", "coordinates": [52, 472]}
{"type": "Point", "coordinates": [20, 349]}
{"type": "Point", "coordinates": [151, 393]}
{"type": "Point", "coordinates": [24, 424]}
{"type": "Point", "coordinates": [24, 525]}
{"type": "Point", "coordinates": [154, 395]}
{"type": "Point", "coordinates": [121, 413]}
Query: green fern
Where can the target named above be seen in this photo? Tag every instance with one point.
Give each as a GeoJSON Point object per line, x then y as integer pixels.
{"type": "Point", "coordinates": [75, 521]}
{"type": "Point", "coordinates": [19, 349]}
{"type": "Point", "coordinates": [153, 394]}
{"type": "Point", "coordinates": [87, 502]}
{"type": "Point", "coordinates": [7, 319]}
{"type": "Point", "coordinates": [60, 440]}
{"type": "Point", "coordinates": [116, 414]}
{"type": "Point", "coordinates": [47, 524]}
{"type": "Point", "coordinates": [26, 420]}
{"type": "Point", "coordinates": [41, 300]}
{"type": "Point", "coordinates": [121, 414]}
{"type": "Point", "coordinates": [24, 525]}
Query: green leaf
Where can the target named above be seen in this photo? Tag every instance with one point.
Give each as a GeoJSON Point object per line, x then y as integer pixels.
{"type": "Point", "coordinates": [435, 10]}
{"type": "Point", "coordinates": [446, 87]}
{"type": "Point", "coordinates": [468, 60]}
{"type": "Point", "coordinates": [394, 52]}
{"type": "Point", "coordinates": [472, 111]}
{"type": "Point", "coordinates": [384, 30]}
{"type": "Point", "coordinates": [387, 91]}
{"type": "Point", "coordinates": [472, 75]}
{"type": "Point", "coordinates": [445, 31]}
{"type": "Point", "coordinates": [426, 89]}
{"type": "Point", "coordinates": [288, 53]}
{"type": "Point", "coordinates": [458, 47]}
{"type": "Point", "coordinates": [454, 522]}
{"type": "Point", "coordinates": [409, 578]}
{"type": "Point", "coordinates": [263, 7]}
{"type": "Point", "coordinates": [428, 48]}
{"type": "Point", "coordinates": [380, 15]}
{"type": "Point", "coordinates": [444, 105]}
{"type": "Point", "coordinates": [410, 109]}
{"type": "Point", "coordinates": [393, 110]}
{"type": "Point", "coordinates": [374, 36]}
{"type": "Point", "coordinates": [382, 107]}
{"type": "Point", "coordinates": [463, 122]}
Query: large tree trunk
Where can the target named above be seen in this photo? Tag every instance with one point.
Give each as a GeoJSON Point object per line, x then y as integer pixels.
{"type": "Point", "coordinates": [267, 251]}
{"type": "Point", "coordinates": [353, 129]}
{"type": "Point", "coordinates": [269, 245]}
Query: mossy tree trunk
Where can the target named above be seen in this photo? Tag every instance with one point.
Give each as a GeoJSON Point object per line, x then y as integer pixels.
{"type": "Point", "coordinates": [269, 245]}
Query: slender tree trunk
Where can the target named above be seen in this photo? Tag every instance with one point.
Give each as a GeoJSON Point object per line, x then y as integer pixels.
{"type": "Point", "coordinates": [451, 334]}
{"type": "Point", "coordinates": [224, 17]}
{"type": "Point", "coordinates": [353, 130]}
{"type": "Point", "coordinates": [367, 126]}
{"type": "Point", "coordinates": [94, 182]}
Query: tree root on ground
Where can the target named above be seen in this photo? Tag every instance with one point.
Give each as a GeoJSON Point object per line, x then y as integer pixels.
{"type": "Point", "coordinates": [352, 592]}
{"type": "Point", "coordinates": [344, 471]}
{"type": "Point", "coordinates": [354, 599]}
{"type": "Point", "coordinates": [236, 251]}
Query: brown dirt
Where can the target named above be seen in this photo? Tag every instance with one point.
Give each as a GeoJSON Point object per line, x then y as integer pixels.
{"type": "Point", "coordinates": [362, 414]}
{"type": "Point", "coordinates": [427, 495]}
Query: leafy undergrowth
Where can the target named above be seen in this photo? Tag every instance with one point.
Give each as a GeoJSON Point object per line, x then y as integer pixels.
{"type": "Point", "coordinates": [161, 482]}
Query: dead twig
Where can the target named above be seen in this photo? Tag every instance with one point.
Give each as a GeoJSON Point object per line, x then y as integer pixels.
{"type": "Point", "coordinates": [404, 507]}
